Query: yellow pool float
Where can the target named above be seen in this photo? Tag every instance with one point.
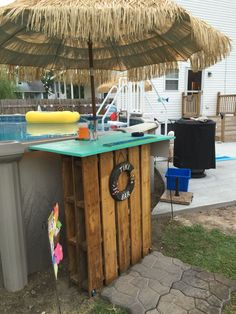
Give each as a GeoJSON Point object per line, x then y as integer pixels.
{"type": "Point", "coordinates": [52, 117]}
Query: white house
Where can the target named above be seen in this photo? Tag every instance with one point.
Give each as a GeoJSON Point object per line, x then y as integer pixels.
{"type": "Point", "coordinates": [36, 90]}
{"type": "Point", "coordinates": [218, 78]}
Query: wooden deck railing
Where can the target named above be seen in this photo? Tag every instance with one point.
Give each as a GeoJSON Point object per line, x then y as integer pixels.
{"type": "Point", "coordinates": [222, 127]}
{"type": "Point", "coordinates": [191, 104]}
{"type": "Point", "coordinates": [226, 104]}
{"type": "Point", "coordinates": [21, 106]}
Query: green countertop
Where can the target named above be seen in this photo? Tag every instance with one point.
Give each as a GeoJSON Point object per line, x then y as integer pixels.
{"type": "Point", "coordinates": [104, 144]}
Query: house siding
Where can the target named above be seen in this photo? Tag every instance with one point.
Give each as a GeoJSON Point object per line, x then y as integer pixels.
{"type": "Point", "coordinates": [221, 15]}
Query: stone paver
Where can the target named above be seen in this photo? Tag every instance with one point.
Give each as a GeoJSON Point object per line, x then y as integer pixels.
{"type": "Point", "coordinates": [204, 306]}
{"type": "Point", "coordinates": [164, 285]}
{"type": "Point", "coordinates": [153, 312]}
{"type": "Point", "coordinates": [148, 298]}
{"type": "Point", "coordinates": [191, 291]}
{"type": "Point", "coordinates": [140, 282]}
{"type": "Point", "coordinates": [195, 311]}
{"type": "Point", "coordinates": [177, 299]}
{"type": "Point", "coordinates": [190, 277]}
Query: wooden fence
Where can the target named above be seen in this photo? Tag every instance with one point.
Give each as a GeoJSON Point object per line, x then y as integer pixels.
{"type": "Point", "coordinates": [191, 104]}
{"type": "Point", "coordinates": [226, 104]}
{"type": "Point", "coordinates": [21, 106]}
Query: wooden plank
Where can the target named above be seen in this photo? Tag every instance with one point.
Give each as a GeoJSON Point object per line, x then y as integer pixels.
{"type": "Point", "coordinates": [184, 198]}
{"type": "Point", "coordinates": [70, 199]}
{"type": "Point", "coordinates": [145, 198]}
{"type": "Point", "coordinates": [92, 222]}
{"type": "Point", "coordinates": [183, 104]}
{"type": "Point", "coordinates": [218, 104]}
{"type": "Point", "coordinates": [198, 109]}
{"type": "Point", "coordinates": [135, 208]}
{"type": "Point", "coordinates": [222, 128]}
{"type": "Point", "coordinates": [108, 219]}
{"type": "Point", "coordinates": [82, 272]}
{"type": "Point", "coordinates": [122, 218]}
{"type": "Point", "coordinates": [72, 240]}
{"type": "Point", "coordinates": [69, 212]}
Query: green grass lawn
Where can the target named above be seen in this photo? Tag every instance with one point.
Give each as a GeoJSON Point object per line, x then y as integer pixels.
{"type": "Point", "coordinates": [231, 308]}
{"type": "Point", "coordinates": [102, 307]}
{"type": "Point", "coordinates": [212, 250]}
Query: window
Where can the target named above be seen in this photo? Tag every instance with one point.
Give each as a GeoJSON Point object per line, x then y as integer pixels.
{"type": "Point", "coordinates": [68, 91]}
{"type": "Point", "coordinates": [32, 95]}
{"type": "Point", "coordinates": [19, 95]}
{"type": "Point", "coordinates": [172, 80]}
{"type": "Point", "coordinates": [76, 91]}
{"type": "Point", "coordinates": [62, 86]}
{"type": "Point", "coordinates": [82, 92]}
{"type": "Point", "coordinates": [45, 95]}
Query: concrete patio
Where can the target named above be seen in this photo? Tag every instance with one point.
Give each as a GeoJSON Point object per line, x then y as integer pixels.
{"type": "Point", "coordinates": [215, 190]}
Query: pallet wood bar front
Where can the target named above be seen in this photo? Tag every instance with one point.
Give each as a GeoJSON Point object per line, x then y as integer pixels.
{"type": "Point", "coordinates": [145, 199]}
{"type": "Point", "coordinates": [69, 213]}
{"type": "Point", "coordinates": [108, 212]}
{"type": "Point", "coordinates": [115, 234]}
{"type": "Point", "coordinates": [105, 236]}
{"type": "Point", "coordinates": [92, 222]}
{"type": "Point", "coordinates": [122, 218]}
{"type": "Point", "coordinates": [135, 208]}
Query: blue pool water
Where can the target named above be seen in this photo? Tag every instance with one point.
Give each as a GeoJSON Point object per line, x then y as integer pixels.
{"type": "Point", "coordinates": [12, 118]}
{"type": "Point", "coordinates": [15, 128]}
{"type": "Point", "coordinates": [18, 131]}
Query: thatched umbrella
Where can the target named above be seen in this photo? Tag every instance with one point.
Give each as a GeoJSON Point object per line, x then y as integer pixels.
{"type": "Point", "coordinates": [146, 38]}
{"type": "Point", "coordinates": [105, 87]}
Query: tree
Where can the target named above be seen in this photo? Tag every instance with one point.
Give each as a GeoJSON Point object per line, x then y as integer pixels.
{"type": "Point", "coordinates": [7, 88]}
{"type": "Point", "coordinates": [48, 82]}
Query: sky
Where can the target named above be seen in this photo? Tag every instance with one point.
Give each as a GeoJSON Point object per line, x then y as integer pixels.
{"type": "Point", "coordinates": [5, 2]}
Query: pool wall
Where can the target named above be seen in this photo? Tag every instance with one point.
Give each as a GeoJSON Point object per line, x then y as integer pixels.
{"type": "Point", "coordinates": [30, 190]}
{"type": "Point", "coordinates": [41, 187]}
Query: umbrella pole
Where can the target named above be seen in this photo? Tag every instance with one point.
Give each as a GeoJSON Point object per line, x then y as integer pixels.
{"type": "Point", "coordinates": [91, 73]}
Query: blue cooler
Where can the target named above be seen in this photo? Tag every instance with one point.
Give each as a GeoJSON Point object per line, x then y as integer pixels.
{"type": "Point", "coordinates": [183, 174]}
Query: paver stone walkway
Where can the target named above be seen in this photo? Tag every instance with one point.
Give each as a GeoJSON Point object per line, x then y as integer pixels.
{"type": "Point", "coordinates": [165, 285]}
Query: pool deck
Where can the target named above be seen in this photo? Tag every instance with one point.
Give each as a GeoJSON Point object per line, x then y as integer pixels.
{"type": "Point", "coordinates": [215, 190]}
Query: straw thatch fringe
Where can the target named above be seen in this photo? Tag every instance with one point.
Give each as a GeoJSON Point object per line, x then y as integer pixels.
{"type": "Point", "coordinates": [30, 74]}
{"type": "Point", "coordinates": [130, 34]}
{"type": "Point", "coordinates": [213, 45]}
{"type": "Point", "coordinates": [106, 87]}
{"type": "Point", "coordinates": [82, 76]}
{"type": "Point", "coordinates": [151, 71]}
{"type": "Point", "coordinates": [99, 19]}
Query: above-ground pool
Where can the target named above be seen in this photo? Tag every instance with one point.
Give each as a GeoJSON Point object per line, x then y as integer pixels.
{"type": "Point", "coordinates": [15, 128]}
